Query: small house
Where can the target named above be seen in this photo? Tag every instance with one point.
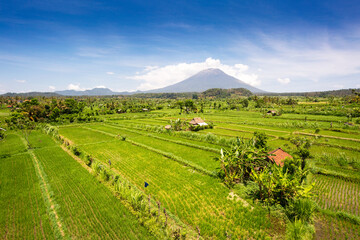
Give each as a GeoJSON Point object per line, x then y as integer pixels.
{"type": "Point", "coordinates": [271, 112]}
{"type": "Point", "coordinates": [198, 122]}
{"type": "Point", "coordinates": [145, 110]}
{"type": "Point", "coordinates": [278, 156]}
{"type": "Point", "coordinates": [168, 127]}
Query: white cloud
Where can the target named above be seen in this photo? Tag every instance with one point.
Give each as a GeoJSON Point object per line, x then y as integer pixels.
{"type": "Point", "coordinates": [52, 88]}
{"type": "Point", "coordinates": [313, 58]}
{"type": "Point", "coordinates": [109, 73]}
{"type": "Point", "coordinates": [157, 77]}
{"type": "Point", "coordinates": [150, 68]}
{"type": "Point", "coordinates": [338, 86]}
{"type": "Point", "coordinates": [284, 80]}
{"type": "Point", "coordinates": [101, 86]}
{"type": "Point", "coordinates": [21, 81]}
{"type": "Point", "coordinates": [75, 87]}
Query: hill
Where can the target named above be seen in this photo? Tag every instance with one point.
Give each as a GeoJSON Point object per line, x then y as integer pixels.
{"type": "Point", "coordinates": [31, 94]}
{"type": "Point", "coordinates": [91, 92]}
{"type": "Point", "coordinates": [334, 93]}
{"type": "Point", "coordinates": [204, 80]}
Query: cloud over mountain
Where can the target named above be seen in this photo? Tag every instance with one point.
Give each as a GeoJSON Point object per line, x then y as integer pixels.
{"type": "Point", "coordinates": [157, 77]}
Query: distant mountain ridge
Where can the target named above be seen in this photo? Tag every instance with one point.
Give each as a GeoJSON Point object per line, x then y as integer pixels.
{"type": "Point", "coordinates": [91, 92]}
{"type": "Point", "coordinates": [204, 80]}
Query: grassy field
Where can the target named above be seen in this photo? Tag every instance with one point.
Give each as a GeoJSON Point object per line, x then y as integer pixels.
{"type": "Point", "coordinates": [339, 144]}
{"type": "Point", "coordinates": [86, 209]}
{"type": "Point", "coordinates": [23, 213]}
{"type": "Point", "coordinates": [197, 199]}
{"type": "Point", "coordinates": [181, 172]}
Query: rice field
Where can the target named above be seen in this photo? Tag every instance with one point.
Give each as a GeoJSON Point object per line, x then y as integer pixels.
{"type": "Point", "coordinates": [197, 199]}
{"type": "Point", "coordinates": [180, 170]}
{"type": "Point", "coordinates": [85, 208]}
{"type": "Point", "coordinates": [337, 194]}
{"type": "Point", "coordinates": [23, 213]}
{"type": "Point", "coordinates": [328, 227]}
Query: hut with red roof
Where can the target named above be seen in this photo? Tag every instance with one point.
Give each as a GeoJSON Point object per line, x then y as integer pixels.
{"type": "Point", "coordinates": [278, 156]}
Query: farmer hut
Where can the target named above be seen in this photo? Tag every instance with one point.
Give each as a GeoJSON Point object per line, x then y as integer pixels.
{"type": "Point", "coordinates": [198, 122]}
{"type": "Point", "coordinates": [278, 156]}
{"type": "Point", "coordinates": [168, 127]}
{"type": "Point", "coordinates": [271, 112]}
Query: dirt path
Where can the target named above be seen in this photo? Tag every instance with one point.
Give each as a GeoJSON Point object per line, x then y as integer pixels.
{"type": "Point", "coordinates": [46, 189]}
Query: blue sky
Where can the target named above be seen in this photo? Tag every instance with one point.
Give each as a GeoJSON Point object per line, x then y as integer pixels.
{"type": "Point", "coordinates": [280, 46]}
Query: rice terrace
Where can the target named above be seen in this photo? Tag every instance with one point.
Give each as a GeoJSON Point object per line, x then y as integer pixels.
{"type": "Point", "coordinates": [194, 167]}
{"type": "Point", "coordinates": [180, 120]}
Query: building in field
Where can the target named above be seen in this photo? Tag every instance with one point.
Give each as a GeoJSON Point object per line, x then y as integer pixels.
{"type": "Point", "coordinates": [278, 156]}
{"type": "Point", "coordinates": [168, 127]}
{"type": "Point", "coordinates": [198, 122]}
{"type": "Point", "coordinates": [271, 112]}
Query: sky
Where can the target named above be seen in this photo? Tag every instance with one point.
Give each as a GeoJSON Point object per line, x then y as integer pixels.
{"type": "Point", "coordinates": [277, 46]}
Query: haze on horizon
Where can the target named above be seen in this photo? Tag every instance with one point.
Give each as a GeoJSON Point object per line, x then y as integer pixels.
{"type": "Point", "coordinates": [277, 46]}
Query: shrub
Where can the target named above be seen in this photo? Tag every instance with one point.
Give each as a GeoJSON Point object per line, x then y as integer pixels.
{"type": "Point", "coordinates": [299, 231]}
{"type": "Point", "coordinates": [260, 140]}
{"type": "Point", "coordinates": [301, 209]}
{"type": "Point", "coordinates": [76, 151]}
{"type": "Point", "coordinates": [104, 175]}
{"type": "Point", "coordinates": [88, 160]}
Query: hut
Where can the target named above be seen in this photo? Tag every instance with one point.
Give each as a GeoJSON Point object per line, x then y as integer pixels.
{"type": "Point", "coordinates": [278, 156]}
{"type": "Point", "coordinates": [198, 121]}
{"type": "Point", "coordinates": [271, 112]}
{"type": "Point", "coordinates": [168, 127]}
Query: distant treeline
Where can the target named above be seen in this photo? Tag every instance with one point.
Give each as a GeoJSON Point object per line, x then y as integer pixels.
{"type": "Point", "coordinates": [213, 92]}
{"type": "Point", "coordinates": [334, 93]}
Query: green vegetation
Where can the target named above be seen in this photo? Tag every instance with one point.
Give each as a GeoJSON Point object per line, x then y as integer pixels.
{"type": "Point", "coordinates": [83, 175]}
{"type": "Point", "coordinates": [23, 213]}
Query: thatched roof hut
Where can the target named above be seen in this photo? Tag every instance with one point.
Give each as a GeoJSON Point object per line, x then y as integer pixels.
{"type": "Point", "coordinates": [198, 121]}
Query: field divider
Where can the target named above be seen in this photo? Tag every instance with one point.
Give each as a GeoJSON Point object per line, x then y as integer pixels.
{"type": "Point", "coordinates": [52, 206]}
{"type": "Point", "coordinates": [329, 173]}
{"type": "Point", "coordinates": [340, 214]}
{"type": "Point", "coordinates": [214, 150]}
{"type": "Point", "coordinates": [238, 130]}
{"type": "Point", "coordinates": [207, 138]}
{"type": "Point", "coordinates": [165, 154]}
{"type": "Point", "coordinates": [326, 136]}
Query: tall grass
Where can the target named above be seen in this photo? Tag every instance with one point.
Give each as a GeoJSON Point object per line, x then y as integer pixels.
{"type": "Point", "coordinates": [298, 230]}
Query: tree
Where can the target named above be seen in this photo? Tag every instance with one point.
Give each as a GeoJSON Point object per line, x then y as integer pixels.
{"type": "Point", "coordinates": [260, 139]}
{"type": "Point", "coordinates": [277, 185]}
{"type": "Point", "coordinates": [237, 163]}
{"type": "Point", "coordinates": [245, 103]}
{"type": "Point", "coordinates": [302, 148]}
{"type": "Point", "coordinates": [24, 124]}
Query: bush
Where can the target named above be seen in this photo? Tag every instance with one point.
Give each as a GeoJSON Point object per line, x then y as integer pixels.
{"type": "Point", "coordinates": [104, 175]}
{"type": "Point", "coordinates": [301, 209]}
{"type": "Point", "coordinates": [260, 140]}
{"type": "Point", "coordinates": [299, 231]}
{"type": "Point", "coordinates": [76, 151]}
{"type": "Point", "coordinates": [2, 135]}
{"type": "Point", "coordinates": [88, 160]}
